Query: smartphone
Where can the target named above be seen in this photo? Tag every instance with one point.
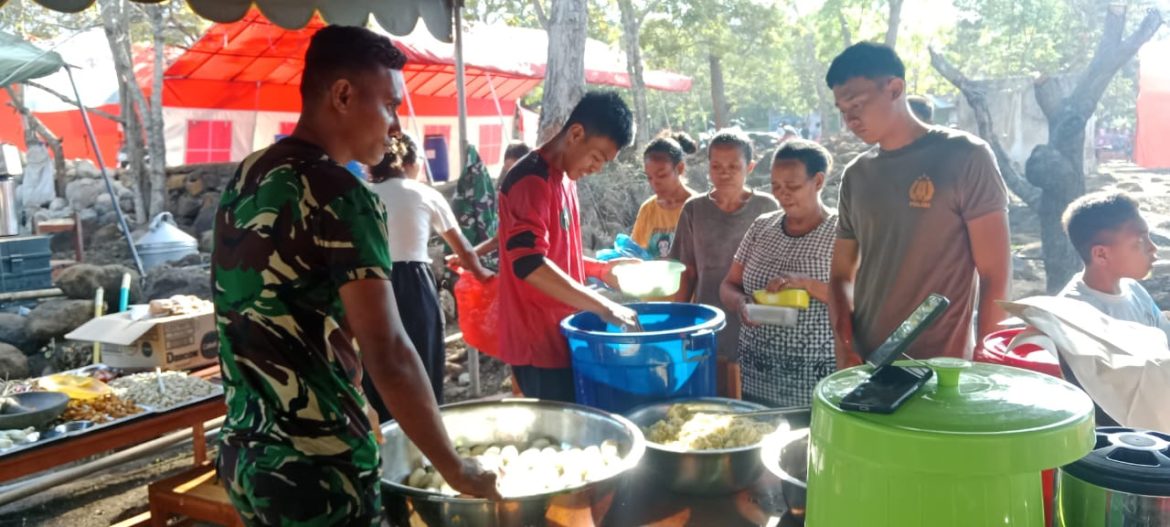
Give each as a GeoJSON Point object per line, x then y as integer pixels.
{"type": "Point", "coordinates": [886, 390]}
{"type": "Point", "coordinates": [890, 385]}
{"type": "Point", "coordinates": [910, 329]}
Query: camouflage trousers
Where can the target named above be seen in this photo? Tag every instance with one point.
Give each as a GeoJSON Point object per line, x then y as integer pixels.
{"type": "Point", "coordinates": [277, 486]}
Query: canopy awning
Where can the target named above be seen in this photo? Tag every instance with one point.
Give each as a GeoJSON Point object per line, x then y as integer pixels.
{"type": "Point", "coordinates": [399, 17]}
{"type": "Point", "coordinates": [21, 61]}
{"type": "Point", "coordinates": [262, 63]}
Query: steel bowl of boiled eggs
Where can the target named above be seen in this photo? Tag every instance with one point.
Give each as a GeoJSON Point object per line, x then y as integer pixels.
{"type": "Point", "coordinates": [552, 460]}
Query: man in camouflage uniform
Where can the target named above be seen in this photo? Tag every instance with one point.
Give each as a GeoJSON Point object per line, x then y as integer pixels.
{"type": "Point", "coordinates": [300, 271]}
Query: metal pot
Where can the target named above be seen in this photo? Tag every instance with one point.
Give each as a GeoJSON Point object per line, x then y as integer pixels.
{"type": "Point", "coordinates": [785, 455]}
{"type": "Point", "coordinates": [1123, 482]}
{"type": "Point", "coordinates": [706, 472]}
{"type": "Point", "coordinates": [164, 242]}
{"type": "Point", "coordinates": [508, 421]}
{"type": "Point", "coordinates": [9, 218]}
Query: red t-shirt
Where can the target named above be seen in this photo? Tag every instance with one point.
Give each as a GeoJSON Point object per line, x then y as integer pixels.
{"type": "Point", "coordinates": [539, 219]}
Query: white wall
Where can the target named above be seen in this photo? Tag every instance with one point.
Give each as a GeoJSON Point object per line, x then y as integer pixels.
{"type": "Point", "coordinates": [175, 130]}
{"type": "Point", "coordinates": [252, 131]}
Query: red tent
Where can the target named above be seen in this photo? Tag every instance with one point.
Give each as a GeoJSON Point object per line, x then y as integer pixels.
{"type": "Point", "coordinates": [238, 85]}
{"type": "Point", "coordinates": [1153, 106]}
{"type": "Point", "coordinates": [254, 64]}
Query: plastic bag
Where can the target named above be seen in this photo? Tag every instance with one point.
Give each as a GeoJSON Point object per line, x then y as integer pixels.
{"type": "Point", "coordinates": [624, 247]}
{"type": "Point", "coordinates": [1123, 366]}
{"type": "Point", "coordinates": [478, 306]}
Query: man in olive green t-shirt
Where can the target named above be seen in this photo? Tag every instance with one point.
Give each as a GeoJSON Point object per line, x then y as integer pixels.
{"type": "Point", "coordinates": [924, 212]}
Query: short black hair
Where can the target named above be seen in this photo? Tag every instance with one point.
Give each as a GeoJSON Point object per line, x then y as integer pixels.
{"type": "Point", "coordinates": [337, 51]}
{"type": "Point", "coordinates": [815, 157]}
{"type": "Point", "coordinates": [865, 59]}
{"type": "Point", "coordinates": [604, 113]}
{"type": "Point", "coordinates": [921, 107]}
{"type": "Point", "coordinates": [401, 152]}
{"type": "Point", "coordinates": [675, 145]}
{"type": "Point", "coordinates": [517, 150]}
{"type": "Point", "coordinates": [735, 138]}
{"type": "Point", "coordinates": [1092, 218]}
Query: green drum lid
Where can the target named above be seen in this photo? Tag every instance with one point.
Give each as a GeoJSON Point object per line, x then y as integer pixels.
{"type": "Point", "coordinates": [985, 416]}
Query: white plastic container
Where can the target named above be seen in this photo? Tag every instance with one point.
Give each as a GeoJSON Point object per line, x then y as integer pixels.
{"type": "Point", "coordinates": [772, 315]}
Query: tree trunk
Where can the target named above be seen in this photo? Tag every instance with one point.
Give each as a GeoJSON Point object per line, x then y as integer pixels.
{"type": "Point", "coordinates": [564, 78]}
{"type": "Point", "coordinates": [631, 41]}
{"type": "Point", "coordinates": [718, 95]}
{"type": "Point", "coordinates": [1055, 171]}
{"type": "Point", "coordinates": [114, 22]}
{"type": "Point", "coordinates": [894, 21]}
{"type": "Point", "coordinates": [1057, 168]}
{"type": "Point", "coordinates": [846, 35]}
{"type": "Point", "coordinates": [156, 139]}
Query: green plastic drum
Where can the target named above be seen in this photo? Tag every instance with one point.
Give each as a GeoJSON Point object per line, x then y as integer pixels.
{"type": "Point", "coordinates": [966, 450]}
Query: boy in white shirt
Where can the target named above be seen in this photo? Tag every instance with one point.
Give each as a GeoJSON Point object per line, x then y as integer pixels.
{"type": "Point", "coordinates": [1109, 233]}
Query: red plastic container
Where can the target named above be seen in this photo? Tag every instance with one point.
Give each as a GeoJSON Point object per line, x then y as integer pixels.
{"type": "Point", "coordinates": [479, 311]}
{"type": "Point", "coordinates": [1029, 357]}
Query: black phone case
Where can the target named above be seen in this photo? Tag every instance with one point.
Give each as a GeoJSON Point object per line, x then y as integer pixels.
{"type": "Point", "coordinates": [852, 402]}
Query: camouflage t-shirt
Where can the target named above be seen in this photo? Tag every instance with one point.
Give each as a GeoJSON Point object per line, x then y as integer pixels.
{"type": "Point", "coordinates": [292, 227]}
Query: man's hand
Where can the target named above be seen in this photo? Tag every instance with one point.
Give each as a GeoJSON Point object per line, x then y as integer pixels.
{"type": "Point", "coordinates": [471, 479]}
{"type": "Point", "coordinates": [620, 315]}
{"type": "Point", "coordinates": [847, 355]}
{"type": "Point", "coordinates": [846, 256]}
{"type": "Point", "coordinates": [483, 274]}
{"type": "Point", "coordinates": [452, 261]}
{"type": "Point", "coordinates": [788, 281]}
{"type": "Point", "coordinates": [608, 267]}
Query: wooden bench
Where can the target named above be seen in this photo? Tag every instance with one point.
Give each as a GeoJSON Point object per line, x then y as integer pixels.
{"type": "Point", "coordinates": [194, 494]}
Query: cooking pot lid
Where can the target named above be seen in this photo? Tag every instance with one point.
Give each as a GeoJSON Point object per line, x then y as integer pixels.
{"type": "Point", "coordinates": [164, 231]}
{"type": "Point", "coordinates": [971, 398]}
{"type": "Point", "coordinates": [1127, 460]}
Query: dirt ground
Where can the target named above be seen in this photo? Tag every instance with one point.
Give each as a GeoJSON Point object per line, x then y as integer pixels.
{"type": "Point", "coordinates": [116, 494]}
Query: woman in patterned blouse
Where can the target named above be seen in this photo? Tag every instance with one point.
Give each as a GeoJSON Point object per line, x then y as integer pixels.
{"type": "Point", "coordinates": [787, 249]}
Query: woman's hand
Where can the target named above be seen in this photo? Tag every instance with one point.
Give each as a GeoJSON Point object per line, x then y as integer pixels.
{"type": "Point", "coordinates": [788, 281]}
{"type": "Point", "coordinates": [743, 313]}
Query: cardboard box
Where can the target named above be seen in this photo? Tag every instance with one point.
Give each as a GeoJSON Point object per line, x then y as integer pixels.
{"type": "Point", "coordinates": [181, 342]}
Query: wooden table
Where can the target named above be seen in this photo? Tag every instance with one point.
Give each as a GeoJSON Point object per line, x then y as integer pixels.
{"type": "Point", "coordinates": [38, 458]}
{"type": "Point", "coordinates": [129, 433]}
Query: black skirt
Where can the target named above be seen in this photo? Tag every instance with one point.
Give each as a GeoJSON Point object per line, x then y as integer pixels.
{"type": "Point", "coordinates": [418, 305]}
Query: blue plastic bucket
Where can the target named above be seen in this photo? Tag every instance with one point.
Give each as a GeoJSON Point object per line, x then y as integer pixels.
{"type": "Point", "coordinates": [673, 357]}
{"type": "Point", "coordinates": [435, 147]}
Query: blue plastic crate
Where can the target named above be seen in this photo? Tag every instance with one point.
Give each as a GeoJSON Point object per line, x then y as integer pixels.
{"type": "Point", "coordinates": [673, 357]}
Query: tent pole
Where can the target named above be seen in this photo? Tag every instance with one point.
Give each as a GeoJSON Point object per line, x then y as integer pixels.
{"type": "Point", "coordinates": [499, 109]}
{"type": "Point", "coordinates": [417, 133]}
{"type": "Point", "coordinates": [97, 152]}
{"type": "Point", "coordinates": [460, 83]}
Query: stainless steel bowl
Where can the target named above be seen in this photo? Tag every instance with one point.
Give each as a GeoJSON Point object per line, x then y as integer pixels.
{"type": "Point", "coordinates": [707, 472]}
{"type": "Point", "coordinates": [785, 455]}
{"type": "Point", "coordinates": [508, 421]}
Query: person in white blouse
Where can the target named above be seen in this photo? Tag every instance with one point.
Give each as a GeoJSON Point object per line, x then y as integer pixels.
{"type": "Point", "coordinates": [413, 211]}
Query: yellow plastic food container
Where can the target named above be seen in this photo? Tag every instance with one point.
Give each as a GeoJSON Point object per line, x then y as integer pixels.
{"type": "Point", "coordinates": [75, 386]}
{"type": "Point", "coordinates": [795, 298]}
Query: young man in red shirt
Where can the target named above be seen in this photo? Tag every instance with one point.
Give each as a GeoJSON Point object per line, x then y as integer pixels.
{"type": "Point", "coordinates": [542, 266]}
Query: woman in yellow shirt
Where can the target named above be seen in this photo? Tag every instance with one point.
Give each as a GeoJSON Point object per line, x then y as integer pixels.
{"type": "Point", "coordinates": [663, 161]}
